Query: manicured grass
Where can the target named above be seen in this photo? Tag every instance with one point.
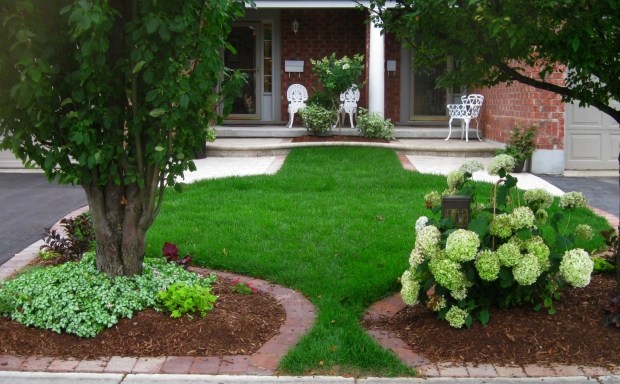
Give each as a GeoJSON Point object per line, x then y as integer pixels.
{"type": "Point", "coordinates": [335, 224]}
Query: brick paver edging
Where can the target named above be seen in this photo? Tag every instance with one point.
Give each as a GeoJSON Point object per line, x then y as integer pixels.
{"type": "Point", "coordinates": [393, 304]}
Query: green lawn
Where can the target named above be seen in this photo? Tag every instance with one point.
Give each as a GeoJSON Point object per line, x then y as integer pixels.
{"type": "Point", "coordinates": [335, 224]}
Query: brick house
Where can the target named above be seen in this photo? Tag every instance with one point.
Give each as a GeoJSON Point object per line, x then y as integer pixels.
{"type": "Point", "coordinates": [276, 41]}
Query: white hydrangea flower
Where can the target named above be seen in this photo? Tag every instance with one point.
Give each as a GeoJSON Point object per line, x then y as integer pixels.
{"type": "Point", "coordinates": [576, 267]}
{"type": "Point", "coordinates": [472, 166]}
{"type": "Point", "coordinates": [416, 257]}
{"type": "Point", "coordinates": [436, 303]}
{"type": "Point", "coordinates": [501, 226]}
{"type": "Point", "coordinates": [455, 179]}
{"type": "Point", "coordinates": [540, 198]}
{"type": "Point", "coordinates": [420, 223]}
{"type": "Point", "coordinates": [447, 273]}
{"type": "Point", "coordinates": [522, 217]}
{"type": "Point", "coordinates": [584, 232]}
{"type": "Point", "coordinates": [527, 270]}
{"type": "Point", "coordinates": [427, 239]}
{"type": "Point", "coordinates": [432, 199]}
{"type": "Point", "coordinates": [571, 200]}
{"type": "Point", "coordinates": [459, 294]}
{"type": "Point", "coordinates": [462, 245]}
{"type": "Point", "coordinates": [499, 162]}
{"type": "Point", "coordinates": [488, 265]}
{"type": "Point", "coordinates": [456, 316]}
{"type": "Point", "coordinates": [537, 247]}
{"type": "Point", "coordinates": [410, 288]}
{"type": "Point", "coordinates": [509, 254]}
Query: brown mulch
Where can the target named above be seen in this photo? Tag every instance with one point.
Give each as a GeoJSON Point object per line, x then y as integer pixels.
{"type": "Point", "coordinates": [238, 325]}
{"type": "Point", "coordinates": [574, 335]}
{"type": "Point", "coordinates": [339, 138]}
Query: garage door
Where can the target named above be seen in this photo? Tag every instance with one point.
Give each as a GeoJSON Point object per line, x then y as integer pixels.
{"type": "Point", "coordinates": [592, 139]}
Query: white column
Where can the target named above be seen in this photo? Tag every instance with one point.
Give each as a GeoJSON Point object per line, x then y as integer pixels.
{"type": "Point", "coordinates": [376, 70]}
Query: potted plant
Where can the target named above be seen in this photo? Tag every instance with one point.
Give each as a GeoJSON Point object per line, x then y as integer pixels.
{"type": "Point", "coordinates": [521, 146]}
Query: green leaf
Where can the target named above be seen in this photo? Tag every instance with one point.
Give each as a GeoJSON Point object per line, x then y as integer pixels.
{"type": "Point", "coordinates": [157, 112]}
{"type": "Point", "coordinates": [184, 100]}
{"type": "Point", "coordinates": [138, 66]}
{"type": "Point", "coordinates": [484, 316]}
{"type": "Point", "coordinates": [66, 101]}
{"type": "Point", "coordinates": [152, 25]}
{"type": "Point", "coordinates": [159, 148]}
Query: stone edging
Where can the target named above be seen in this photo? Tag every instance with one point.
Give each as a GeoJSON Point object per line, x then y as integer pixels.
{"type": "Point", "coordinates": [393, 304]}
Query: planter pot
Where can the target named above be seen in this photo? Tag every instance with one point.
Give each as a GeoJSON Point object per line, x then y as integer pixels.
{"type": "Point", "coordinates": [522, 166]}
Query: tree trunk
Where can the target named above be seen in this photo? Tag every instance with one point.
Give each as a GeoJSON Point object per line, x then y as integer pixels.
{"type": "Point", "coordinates": [117, 214]}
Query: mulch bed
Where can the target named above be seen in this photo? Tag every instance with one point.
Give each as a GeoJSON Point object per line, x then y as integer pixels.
{"type": "Point", "coordinates": [575, 335]}
{"type": "Point", "coordinates": [238, 325]}
{"type": "Point", "coordinates": [338, 138]}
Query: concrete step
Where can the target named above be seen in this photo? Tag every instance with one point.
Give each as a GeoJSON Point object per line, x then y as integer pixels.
{"type": "Point", "coordinates": [248, 131]}
{"type": "Point", "coordinates": [422, 147]}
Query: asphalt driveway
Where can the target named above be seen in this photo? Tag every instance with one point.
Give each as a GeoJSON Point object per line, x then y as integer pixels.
{"type": "Point", "coordinates": [28, 205]}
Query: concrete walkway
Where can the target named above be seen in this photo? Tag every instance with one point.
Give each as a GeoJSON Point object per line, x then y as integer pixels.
{"type": "Point", "coordinates": [165, 370]}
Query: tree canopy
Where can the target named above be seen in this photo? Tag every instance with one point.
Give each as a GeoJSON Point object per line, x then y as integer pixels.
{"type": "Point", "coordinates": [494, 40]}
{"type": "Point", "coordinates": [114, 95]}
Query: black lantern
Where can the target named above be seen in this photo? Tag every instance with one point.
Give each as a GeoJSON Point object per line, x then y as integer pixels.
{"type": "Point", "coordinates": [457, 208]}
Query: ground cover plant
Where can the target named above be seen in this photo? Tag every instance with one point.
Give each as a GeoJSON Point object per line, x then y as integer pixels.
{"type": "Point", "coordinates": [334, 223]}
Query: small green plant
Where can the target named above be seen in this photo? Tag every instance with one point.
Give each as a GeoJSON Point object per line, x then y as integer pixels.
{"type": "Point", "coordinates": [243, 288]}
{"type": "Point", "coordinates": [317, 119]}
{"type": "Point", "coordinates": [48, 255]}
{"type": "Point", "coordinates": [371, 124]}
{"type": "Point", "coordinates": [601, 265]}
{"type": "Point", "coordinates": [79, 237]}
{"type": "Point", "coordinates": [181, 298]}
{"type": "Point", "coordinates": [521, 143]}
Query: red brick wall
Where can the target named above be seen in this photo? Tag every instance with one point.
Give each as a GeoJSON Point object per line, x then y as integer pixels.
{"type": "Point", "coordinates": [321, 33]}
{"type": "Point", "coordinates": [522, 105]}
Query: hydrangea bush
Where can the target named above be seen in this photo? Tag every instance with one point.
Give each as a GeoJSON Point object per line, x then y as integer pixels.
{"type": "Point", "coordinates": [502, 258]}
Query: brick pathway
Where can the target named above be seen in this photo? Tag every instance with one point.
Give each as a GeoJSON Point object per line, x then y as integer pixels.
{"type": "Point", "coordinates": [300, 315]}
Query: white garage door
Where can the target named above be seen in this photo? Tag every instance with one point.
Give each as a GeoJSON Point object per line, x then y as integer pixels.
{"type": "Point", "coordinates": [591, 139]}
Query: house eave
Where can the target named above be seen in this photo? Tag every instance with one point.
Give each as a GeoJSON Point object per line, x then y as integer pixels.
{"type": "Point", "coordinates": [267, 4]}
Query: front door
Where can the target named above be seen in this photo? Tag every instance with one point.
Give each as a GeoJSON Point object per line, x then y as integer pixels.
{"type": "Point", "coordinates": [244, 37]}
{"type": "Point", "coordinates": [428, 101]}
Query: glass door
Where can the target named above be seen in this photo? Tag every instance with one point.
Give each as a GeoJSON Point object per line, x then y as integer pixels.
{"type": "Point", "coordinates": [428, 101]}
{"type": "Point", "coordinates": [244, 37]}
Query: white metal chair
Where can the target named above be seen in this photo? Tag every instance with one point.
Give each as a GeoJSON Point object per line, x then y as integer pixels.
{"type": "Point", "coordinates": [348, 105]}
{"type": "Point", "coordinates": [297, 95]}
{"type": "Point", "coordinates": [466, 111]}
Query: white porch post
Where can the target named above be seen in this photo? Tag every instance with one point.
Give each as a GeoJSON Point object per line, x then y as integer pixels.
{"type": "Point", "coordinates": [376, 70]}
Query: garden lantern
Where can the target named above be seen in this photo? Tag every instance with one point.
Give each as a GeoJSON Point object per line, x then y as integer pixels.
{"type": "Point", "coordinates": [457, 208]}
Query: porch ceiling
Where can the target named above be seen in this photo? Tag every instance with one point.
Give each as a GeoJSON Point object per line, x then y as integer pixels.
{"type": "Point", "coordinates": [265, 4]}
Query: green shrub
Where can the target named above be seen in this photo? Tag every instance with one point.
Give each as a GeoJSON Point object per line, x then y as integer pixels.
{"type": "Point", "coordinates": [502, 258]}
{"type": "Point", "coordinates": [317, 119]}
{"type": "Point", "coordinates": [321, 98]}
{"type": "Point", "coordinates": [79, 237]}
{"type": "Point", "coordinates": [371, 124]}
{"type": "Point", "coordinates": [602, 266]}
{"type": "Point", "coordinates": [337, 75]}
{"type": "Point", "coordinates": [76, 298]}
{"type": "Point", "coordinates": [180, 298]}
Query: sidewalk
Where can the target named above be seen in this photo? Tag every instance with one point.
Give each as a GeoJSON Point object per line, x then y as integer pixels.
{"type": "Point", "coordinates": [122, 370]}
